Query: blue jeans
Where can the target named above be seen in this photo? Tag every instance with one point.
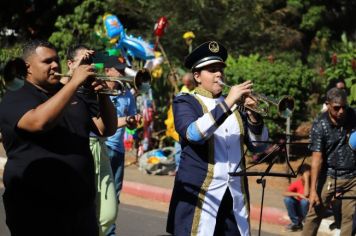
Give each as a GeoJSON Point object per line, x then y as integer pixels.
{"type": "Point", "coordinates": [117, 161]}
{"type": "Point", "coordinates": [297, 210]}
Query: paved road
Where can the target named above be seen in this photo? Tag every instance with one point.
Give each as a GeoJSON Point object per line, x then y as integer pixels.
{"type": "Point", "coordinates": [134, 221]}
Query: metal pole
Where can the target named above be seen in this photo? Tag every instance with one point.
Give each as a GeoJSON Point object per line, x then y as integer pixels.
{"type": "Point", "coordinates": [288, 134]}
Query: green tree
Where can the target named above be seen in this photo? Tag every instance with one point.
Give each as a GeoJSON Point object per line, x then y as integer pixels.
{"type": "Point", "coordinates": [342, 65]}
{"type": "Point", "coordinates": [78, 26]}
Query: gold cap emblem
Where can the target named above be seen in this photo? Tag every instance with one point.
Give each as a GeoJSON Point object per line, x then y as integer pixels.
{"type": "Point", "coordinates": [214, 47]}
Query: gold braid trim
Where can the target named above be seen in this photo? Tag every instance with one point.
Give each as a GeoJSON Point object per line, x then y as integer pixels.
{"type": "Point", "coordinates": [242, 178]}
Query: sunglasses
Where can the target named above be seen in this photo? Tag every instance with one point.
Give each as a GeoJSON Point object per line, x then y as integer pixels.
{"type": "Point", "coordinates": [337, 108]}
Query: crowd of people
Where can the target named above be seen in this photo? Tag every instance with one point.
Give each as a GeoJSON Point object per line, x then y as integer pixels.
{"type": "Point", "coordinates": [64, 138]}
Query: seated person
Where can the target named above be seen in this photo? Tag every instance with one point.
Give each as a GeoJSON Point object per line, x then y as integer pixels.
{"type": "Point", "coordinates": [296, 199]}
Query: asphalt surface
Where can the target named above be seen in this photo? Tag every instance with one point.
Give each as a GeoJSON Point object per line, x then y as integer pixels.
{"type": "Point", "coordinates": [134, 221]}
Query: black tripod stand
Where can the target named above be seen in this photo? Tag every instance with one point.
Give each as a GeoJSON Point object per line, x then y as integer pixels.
{"type": "Point", "coordinates": [277, 146]}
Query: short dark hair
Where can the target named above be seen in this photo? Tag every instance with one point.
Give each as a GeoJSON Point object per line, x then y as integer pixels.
{"type": "Point", "coordinates": [336, 94]}
{"type": "Point", "coordinates": [31, 46]}
{"type": "Point", "coordinates": [72, 51]}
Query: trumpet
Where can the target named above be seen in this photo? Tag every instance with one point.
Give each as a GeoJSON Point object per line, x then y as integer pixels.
{"type": "Point", "coordinates": [140, 80]}
{"type": "Point", "coordinates": [285, 105]}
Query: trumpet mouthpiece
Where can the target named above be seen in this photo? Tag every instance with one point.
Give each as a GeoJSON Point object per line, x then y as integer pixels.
{"type": "Point", "coordinates": [223, 84]}
{"type": "Point", "coordinates": [59, 74]}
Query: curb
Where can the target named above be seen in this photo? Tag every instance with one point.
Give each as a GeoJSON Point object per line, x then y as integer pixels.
{"type": "Point", "coordinates": [269, 215]}
{"type": "Point", "coordinates": [147, 191]}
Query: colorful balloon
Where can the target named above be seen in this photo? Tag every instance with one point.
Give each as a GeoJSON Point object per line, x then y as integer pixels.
{"type": "Point", "coordinates": [112, 26]}
{"type": "Point", "coordinates": [136, 47]}
{"type": "Point", "coordinates": [188, 35]}
{"type": "Point", "coordinates": [160, 26]}
{"type": "Point", "coordinates": [352, 141]}
{"type": "Point", "coordinates": [188, 38]}
{"type": "Point", "coordinates": [128, 45]}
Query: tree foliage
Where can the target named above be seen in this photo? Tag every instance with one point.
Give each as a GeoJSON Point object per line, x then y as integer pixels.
{"type": "Point", "coordinates": [342, 65]}
{"type": "Point", "coordinates": [284, 46]}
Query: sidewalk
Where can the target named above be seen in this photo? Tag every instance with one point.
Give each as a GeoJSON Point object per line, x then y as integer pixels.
{"type": "Point", "coordinates": [159, 188]}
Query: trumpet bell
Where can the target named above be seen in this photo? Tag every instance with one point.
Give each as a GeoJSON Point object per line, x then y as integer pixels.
{"type": "Point", "coordinates": [286, 106]}
{"type": "Point", "coordinates": [142, 79]}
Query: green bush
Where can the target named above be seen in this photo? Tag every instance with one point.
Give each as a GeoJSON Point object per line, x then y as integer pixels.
{"type": "Point", "coordinates": [342, 65]}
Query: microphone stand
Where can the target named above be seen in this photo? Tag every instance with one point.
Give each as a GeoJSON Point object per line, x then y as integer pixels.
{"type": "Point", "coordinates": [277, 146]}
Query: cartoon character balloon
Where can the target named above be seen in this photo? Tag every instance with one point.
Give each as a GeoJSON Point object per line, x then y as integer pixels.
{"type": "Point", "coordinates": [136, 47]}
{"type": "Point", "coordinates": [129, 45]}
{"type": "Point", "coordinates": [113, 27]}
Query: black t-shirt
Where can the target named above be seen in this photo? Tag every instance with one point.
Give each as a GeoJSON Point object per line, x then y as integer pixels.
{"type": "Point", "coordinates": [332, 141]}
{"type": "Point", "coordinates": [57, 163]}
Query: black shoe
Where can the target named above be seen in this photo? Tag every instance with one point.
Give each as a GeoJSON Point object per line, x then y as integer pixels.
{"type": "Point", "coordinates": [293, 227]}
{"type": "Point", "coordinates": [333, 226]}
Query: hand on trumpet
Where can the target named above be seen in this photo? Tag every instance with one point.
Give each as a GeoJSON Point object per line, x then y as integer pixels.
{"type": "Point", "coordinates": [238, 92]}
{"type": "Point", "coordinates": [100, 85]}
{"type": "Point", "coordinates": [133, 121]}
{"type": "Point", "coordinates": [82, 74]}
{"type": "Point", "coordinates": [252, 103]}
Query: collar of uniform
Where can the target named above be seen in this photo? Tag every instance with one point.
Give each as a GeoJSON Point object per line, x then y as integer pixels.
{"type": "Point", "coordinates": [203, 92]}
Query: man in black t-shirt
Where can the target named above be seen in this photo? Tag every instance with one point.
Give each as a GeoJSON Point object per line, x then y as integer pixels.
{"type": "Point", "coordinates": [332, 157]}
{"type": "Point", "coordinates": [49, 175]}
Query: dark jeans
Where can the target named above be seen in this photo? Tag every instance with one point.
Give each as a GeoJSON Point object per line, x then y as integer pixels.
{"type": "Point", "coordinates": [297, 210]}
